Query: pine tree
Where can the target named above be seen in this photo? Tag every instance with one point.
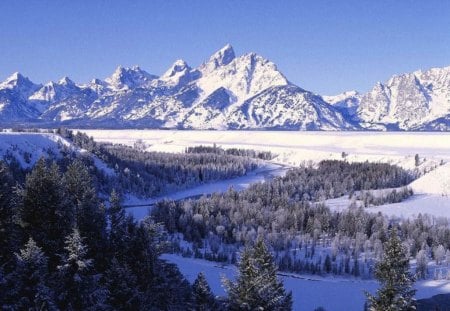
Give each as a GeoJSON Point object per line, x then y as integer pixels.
{"type": "Point", "coordinates": [27, 284]}
{"type": "Point", "coordinates": [118, 232]}
{"type": "Point", "coordinates": [121, 283]}
{"type": "Point", "coordinates": [396, 292]}
{"type": "Point", "coordinates": [8, 232]}
{"type": "Point", "coordinates": [257, 286]}
{"type": "Point", "coordinates": [203, 298]}
{"type": "Point", "coordinates": [46, 214]}
{"type": "Point", "coordinates": [79, 285]}
{"type": "Point", "coordinates": [89, 213]}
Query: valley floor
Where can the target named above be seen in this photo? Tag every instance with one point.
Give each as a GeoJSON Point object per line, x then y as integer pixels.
{"type": "Point", "coordinates": [309, 292]}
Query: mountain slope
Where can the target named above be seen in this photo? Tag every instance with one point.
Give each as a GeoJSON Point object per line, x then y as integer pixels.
{"type": "Point", "coordinates": [411, 101]}
{"type": "Point", "coordinates": [226, 92]}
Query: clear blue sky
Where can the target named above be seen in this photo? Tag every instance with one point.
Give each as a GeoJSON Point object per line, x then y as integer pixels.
{"type": "Point", "coordinates": [323, 46]}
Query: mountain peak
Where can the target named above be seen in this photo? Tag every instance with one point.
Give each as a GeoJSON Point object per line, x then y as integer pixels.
{"type": "Point", "coordinates": [125, 77]}
{"type": "Point", "coordinates": [66, 81]}
{"type": "Point", "coordinates": [222, 57]}
{"type": "Point", "coordinates": [15, 79]}
{"type": "Point", "coordinates": [18, 82]}
{"type": "Point", "coordinates": [178, 66]}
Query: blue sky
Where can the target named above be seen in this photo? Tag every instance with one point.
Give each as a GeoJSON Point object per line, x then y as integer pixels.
{"type": "Point", "coordinates": [323, 46]}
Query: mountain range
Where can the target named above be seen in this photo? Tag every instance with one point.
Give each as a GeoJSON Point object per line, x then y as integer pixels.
{"type": "Point", "coordinates": [226, 92]}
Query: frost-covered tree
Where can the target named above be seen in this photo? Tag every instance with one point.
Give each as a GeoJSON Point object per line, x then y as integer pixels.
{"type": "Point", "coordinates": [257, 286]}
{"type": "Point", "coordinates": [203, 299]}
{"type": "Point", "coordinates": [421, 264]}
{"type": "Point", "coordinates": [79, 287]}
{"type": "Point", "coordinates": [396, 291]}
{"type": "Point", "coordinates": [118, 227]}
{"type": "Point", "coordinates": [439, 254]}
{"type": "Point", "coordinates": [27, 284]}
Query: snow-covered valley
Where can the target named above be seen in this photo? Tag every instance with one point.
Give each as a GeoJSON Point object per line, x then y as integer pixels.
{"type": "Point", "coordinates": [426, 153]}
{"type": "Point", "coordinates": [430, 192]}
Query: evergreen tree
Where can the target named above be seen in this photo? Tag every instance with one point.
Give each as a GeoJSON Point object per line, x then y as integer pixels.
{"type": "Point", "coordinates": [421, 264]}
{"type": "Point", "coordinates": [203, 298]}
{"type": "Point", "coordinates": [257, 286]}
{"type": "Point", "coordinates": [8, 232]}
{"type": "Point", "coordinates": [396, 292]}
{"type": "Point", "coordinates": [78, 284]}
{"type": "Point", "coordinates": [118, 226]}
{"type": "Point", "coordinates": [27, 285]}
{"type": "Point", "coordinates": [46, 214]}
{"type": "Point", "coordinates": [89, 213]}
{"type": "Point", "coordinates": [169, 290]}
{"type": "Point", "coordinates": [122, 286]}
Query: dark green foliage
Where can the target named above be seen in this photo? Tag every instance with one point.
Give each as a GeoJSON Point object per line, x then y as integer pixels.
{"type": "Point", "coordinates": [122, 287]}
{"type": "Point", "coordinates": [8, 229]}
{"type": "Point", "coordinates": [90, 215]}
{"type": "Point", "coordinates": [396, 283]}
{"type": "Point", "coordinates": [203, 299]}
{"type": "Point", "coordinates": [90, 266]}
{"type": "Point", "coordinates": [263, 155]}
{"type": "Point", "coordinates": [118, 234]}
{"type": "Point", "coordinates": [257, 286]}
{"type": "Point", "coordinates": [46, 212]}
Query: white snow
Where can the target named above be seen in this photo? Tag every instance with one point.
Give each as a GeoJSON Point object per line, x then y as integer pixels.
{"type": "Point", "coordinates": [293, 148]}
{"type": "Point", "coordinates": [37, 145]}
{"type": "Point", "coordinates": [435, 182]}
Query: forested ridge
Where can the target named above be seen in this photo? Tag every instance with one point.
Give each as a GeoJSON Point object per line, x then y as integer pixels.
{"type": "Point", "coordinates": [154, 173]}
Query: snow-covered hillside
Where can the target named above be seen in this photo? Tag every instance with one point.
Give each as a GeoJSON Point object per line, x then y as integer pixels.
{"type": "Point", "coordinates": [27, 148]}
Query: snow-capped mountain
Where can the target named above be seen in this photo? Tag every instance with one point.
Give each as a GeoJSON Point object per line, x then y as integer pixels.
{"type": "Point", "coordinates": [14, 94]}
{"type": "Point", "coordinates": [412, 101]}
{"type": "Point", "coordinates": [346, 102]}
{"type": "Point", "coordinates": [225, 92]}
